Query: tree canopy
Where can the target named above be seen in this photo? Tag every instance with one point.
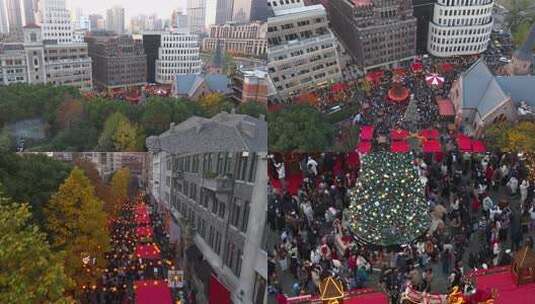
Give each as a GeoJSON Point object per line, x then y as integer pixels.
{"type": "Point", "coordinates": [509, 137]}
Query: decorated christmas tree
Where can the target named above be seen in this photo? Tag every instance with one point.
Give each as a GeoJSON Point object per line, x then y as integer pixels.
{"type": "Point", "coordinates": [388, 205]}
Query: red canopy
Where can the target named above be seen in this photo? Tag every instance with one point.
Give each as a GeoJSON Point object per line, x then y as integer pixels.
{"type": "Point", "coordinates": [445, 107]}
{"type": "Point", "coordinates": [478, 146]}
{"type": "Point", "coordinates": [430, 133]}
{"type": "Point", "coordinates": [337, 87]}
{"type": "Point", "coordinates": [150, 291]}
{"type": "Point", "coordinates": [464, 143]}
{"type": "Point", "coordinates": [399, 134]}
{"type": "Point", "coordinates": [147, 251]}
{"type": "Point", "coordinates": [432, 146]}
{"type": "Point", "coordinates": [364, 147]}
{"type": "Point", "coordinates": [446, 67]}
{"type": "Point", "coordinates": [417, 66]}
{"type": "Point", "coordinates": [218, 293]}
{"type": "Point", "coordinates": [144, 231]}
{"type": "Point", "coordinates": [366, 132]}
{"type": "Point", "coordinates": [401, 146]}
{"type": "Point", "coordinates": [399, 71]}
{"type": "Point", "coordinates": [375, 76]}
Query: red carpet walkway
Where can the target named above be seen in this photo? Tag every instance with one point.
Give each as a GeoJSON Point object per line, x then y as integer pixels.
{"type": "Point", "coordinates": [508, 292]}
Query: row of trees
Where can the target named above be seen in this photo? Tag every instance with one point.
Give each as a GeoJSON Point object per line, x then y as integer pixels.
{"type": "Point", "coordinates": [54, 236]}
{"type": "Point", "coordinates": [77, 123]}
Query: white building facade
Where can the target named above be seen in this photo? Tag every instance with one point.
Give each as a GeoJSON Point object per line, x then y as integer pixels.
{"type": "Point", "coordinates": [302, 50]}
{"type": "Point", "coordinates": [55, 21]}
{"type": "Point", "coordinates": [460, 27]}
{"type": "Point", "coordinates": [178, 55]}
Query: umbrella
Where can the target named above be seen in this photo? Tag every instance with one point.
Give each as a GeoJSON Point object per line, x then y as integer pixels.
{"type": "Point", "coordinates": [417, 66]}
{"type": "Point", "coordinates": [434, 79]}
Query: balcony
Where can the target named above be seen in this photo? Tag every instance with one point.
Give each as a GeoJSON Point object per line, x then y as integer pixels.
{"type": "Point", "coordinates": [216, 183]}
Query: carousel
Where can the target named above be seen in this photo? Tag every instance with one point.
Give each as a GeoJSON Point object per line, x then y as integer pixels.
{"type": "Point", "coordinates": [398, 93]}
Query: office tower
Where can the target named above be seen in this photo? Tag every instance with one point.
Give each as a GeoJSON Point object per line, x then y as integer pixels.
{"type": "Point", "coordinates": [3, 19]}
{"type": "Point", "coordinates": [218, 12]}
{"type": "Point", "coordinates": [96, 22]}
{"type": "Point", "coordinates": [179, 20]}
{"type": "Point", "coordinates": [55, 21]}
{"type": "Point", "coordinates": [251, 10]}
{"type": "Point", "coordinates": [240, 39]}
{"type": "Point", "coordinates": [423, 11]}
{"type": "Point", "coordinates": [115, 19]}
{"type": "Point", "coordinates": [375, 32]}
{"type": "Point", "coordinates": [196, 16]}
{"type": "Point", "coordinates": [14, 17]}
{"type": "Point", "coordinates": [460, 27]}
{"type": "Point", "coordinates": [302, 50]}
{"type": "Point", "coordinates": [178, 55]}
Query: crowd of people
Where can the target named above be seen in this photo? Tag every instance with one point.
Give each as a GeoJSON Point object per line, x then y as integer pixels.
{"type": "Point", "coordinates": [125, 268]}
{"type": "Point", "coordinates": [482, 209]}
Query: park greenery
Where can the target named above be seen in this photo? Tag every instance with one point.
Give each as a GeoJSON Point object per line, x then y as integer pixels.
{"type": "Point", "coordinates": [73, 122]}
{"type": "Point", "coordinates": [49, 248]}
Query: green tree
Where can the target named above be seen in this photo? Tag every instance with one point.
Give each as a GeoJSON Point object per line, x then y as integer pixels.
{"type": "Point", "coordinates": [299, 127]}
{"type": "Point", "coordinates": [157, 115]}
{"type": "Point", "coordinates": [5, 140]}
{"type": "Point", "coordinates": [77, 225]}
{"type": "Point", "coordinates": [120, 134]}
{"type": "Point", "coordinates": [23, 178]}
{"type": "Point", "coordinates": [254, 109]}
{"type": "Point", "coordinates": [31, 272]}
{"type": "Point", "coordinates": [119, 186]}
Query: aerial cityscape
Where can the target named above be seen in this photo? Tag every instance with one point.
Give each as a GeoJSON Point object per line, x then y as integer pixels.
{"type": "Point", "coordinates": [267, 151]}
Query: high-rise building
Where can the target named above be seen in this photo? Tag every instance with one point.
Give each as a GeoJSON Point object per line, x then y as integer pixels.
{"type": "Point", "coordinates": [3, 19]}
{"type": "Point", "coordinates": [247, 39]}
{"type": "Point", "coordinates": [179, 21]}
{"type": "Point", "coordinates": [55, 21]}
{"type": "Point", "coordinates": [178, 55]}
{"type": "Point", "coordinates": [302, 50]}
{"type": "Point", "coordinates": [251, 10]}
{"type": "Point", "coordinates": [375, 32]}
{"type": "Point", "coordinates": [14, 17]}
{"type": "Point", "coordinates": [460, 27]}
{"type": "Point", "coordinates": [118, 60]}
{"type": "Point", "coordinates": [29, 11]}
{"type": "Point", "coordinates": [115, 19]}
{"type": "Point", "coordinates": [151, 46]}
{"type": "Point", "coordinates": [216, 199]}
{"type": "Point", "coordinates": [423, 11]}
{"type": "Point", "coordinates": [218, 12]}
{"type": "Point", "coordinates": [196, 16]}
{"type": "Point", "coordinates": [96, 22]}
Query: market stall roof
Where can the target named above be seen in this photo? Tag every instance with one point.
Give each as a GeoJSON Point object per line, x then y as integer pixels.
{"type": "Point", "coordinates": [401, 146]}
{"type": "Point", "coordinates": [478, 146]}
{"type": "Point", "coordinates": [366, 132]}
{"type": "Point", "coordinates": [399, 134]}
{"type": "Point", "coordinates": [432, 146]}
{"type": "Point", "coordinates": [430, 133]}
{"type": "Point", "coordinates": [147, 251]}
{"type": "Point", "coordinates": [464, 143]}
{"type": "Point", "coordinates": [364, 147]}
{"type": "Point", "coordinates": [445, 107]}
{"type": "Point", "coordinates": [152, 291]}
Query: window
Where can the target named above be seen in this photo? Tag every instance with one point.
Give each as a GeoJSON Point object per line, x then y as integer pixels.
{"type": "Point", "coordinates": [245, 217]}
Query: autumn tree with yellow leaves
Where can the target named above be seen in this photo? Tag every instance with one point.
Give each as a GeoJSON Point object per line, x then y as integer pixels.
{"type": "Point", "coordinates": [509, 137]}
{"type": "Point", "coordinates": [77, 226]}
{"type": "Point", "coordinates": [120, 182]}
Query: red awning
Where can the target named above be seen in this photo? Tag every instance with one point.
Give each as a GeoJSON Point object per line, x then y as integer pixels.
{"type": "Point", "coordinates": [147, 251]}
{"type": "Point", "coordinates": [478, 146]}
{"type": "Point", "coordinates": [445, 107]}
{"type": "Point", "coordinates": [337, 87]}
{"type": "Point", "coordinates": [375, 76]}
{"type": "Point", "coordinates": [366, 132]}
{"type": "Point", "coordinates": [464, 143]}
{"type": "Point", "coordinates": [446, 67]}
{"type": "Point", "coordinates": [417, 66]}
{"type": "Point", "coordinates": [219, 294]}
{"type": "Point", "coordinates": [430, 133]}
{"type": "Point", "coordinates": [150, 291]}
{"type": "Point", "coordinates": [399, 134]}
{"type": "Point", "coordinates": [401, 146]}
{"type": "Point", "coordinates": [432, 146]}
{"type": "Point", "coordinates": [364, 147]}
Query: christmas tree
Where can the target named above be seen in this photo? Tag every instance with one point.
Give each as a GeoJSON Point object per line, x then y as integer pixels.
{"type": "Point", "coordinates": [388, 205]}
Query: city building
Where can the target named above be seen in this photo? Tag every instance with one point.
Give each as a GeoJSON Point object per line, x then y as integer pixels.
{"type": "Point", "coordinates": [216, 202]}
{"type": "Point", "coordinates": [55, 21]}
{"type": "Point", "coordinates": [481, 98]}
{"type": "Point", "coordinates": [115, 20]}
{"type": "Point", "coordinates": [218, 12]}
{"type": "Point", "coordinates": [97, 22]}
{"type": "Point", "coordinates": [14, 17]}
{"type": "Point", "coordinates": [38, 61]}
{"type": "Point", "coordinates": [179, 21]}
{"type": "Point", "coordinates": [302, 50]}
{"type": "Point", "coordinates": [196, 11]}
{"type": "Point", "coordinates": [178, 55]}
{"type": "Point", "coordinates": [4, 29]}
{"type": "Point", "coordinates": [245, 11]}
{"type": "Point", "coordinates": [423, 11]}
{"type": "Point", "coordinates": [251, 85]}
{"type": "Point", "coordinates": [151, 46]}
{"type": "Point", "coordinates": [460, 27]}
{"type": "Point", "coordinates": [118, 60]}
{"type": "Point", "coordinates": [29, 11]}
{"type": "Point", "coordinates": [237, 39]}
{"type": "Point", "coordinates": [195, 86]}
{"type": "Point", "coordinates": [375, 33]}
